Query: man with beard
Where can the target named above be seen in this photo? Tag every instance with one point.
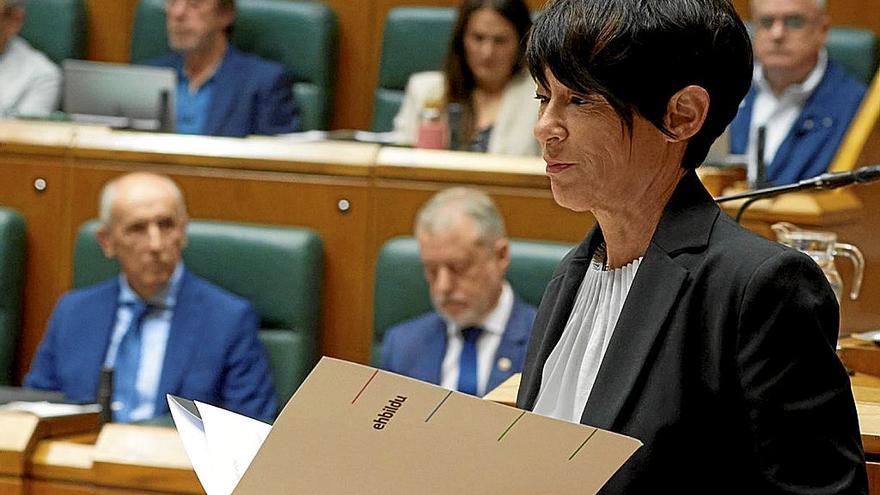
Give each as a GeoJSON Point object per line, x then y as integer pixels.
{"type": "Point", "coordinates": [478, 335]}
{"type": "Point", "coordinates": [220, 90]}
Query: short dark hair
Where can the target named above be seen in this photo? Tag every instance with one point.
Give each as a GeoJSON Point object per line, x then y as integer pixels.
{"type": "Point", "coordinates": [638, 53]}
{"type": "Point", "coordinates": [460, 82]}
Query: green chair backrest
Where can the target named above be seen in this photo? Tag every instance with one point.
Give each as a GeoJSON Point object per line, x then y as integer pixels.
{"type": "Point", "coordinates": [278, 269]}
{"type": "Point", "coordinates": [416, 39]}
{"type": "Point", "coordinates": [12, 246]}
{"type": "Point", "coordinates": [56, 28]}
{"type": "Point", "coordinates": [401, 291]}
{"type": "Point", "coordinates": [301, 36]}
{"type": "Point", "coordinates": [856, 50]}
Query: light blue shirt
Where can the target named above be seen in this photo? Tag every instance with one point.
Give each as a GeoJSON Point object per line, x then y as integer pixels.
{"type": "Point", "coordinates": [192, 106]}
{"type": "Point", "coordinates": [154, 330]}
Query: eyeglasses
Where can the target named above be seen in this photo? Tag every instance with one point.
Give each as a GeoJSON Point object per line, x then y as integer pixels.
{"type": "Point", "coordinates": [793, 22]}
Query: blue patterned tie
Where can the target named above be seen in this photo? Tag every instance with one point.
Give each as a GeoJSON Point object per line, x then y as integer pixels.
{"type": "Point", "coordinates": [467, 362]}
{"type": "Point", "coordinates": [128, 362]}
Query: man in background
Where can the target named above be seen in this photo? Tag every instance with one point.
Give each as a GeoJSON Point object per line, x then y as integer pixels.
{"type": "Point", "coordinates": [220, 90]}
{"type": "Point", "coordinates": [162, 329]}
{"type": "Point", "coordinates": [478, 334]}
{"type": "Point", "coordinates": [30, 84]}
{"type": "Point", "coordinates": [803, 101]}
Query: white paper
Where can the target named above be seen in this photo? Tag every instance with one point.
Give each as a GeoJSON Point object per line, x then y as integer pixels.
{"type": "Point", "coordinates": [50, 410]}
{"type": "Point", "coordinates": [220, 445]}
{"type": "Point", "coordinates": [233, 441]}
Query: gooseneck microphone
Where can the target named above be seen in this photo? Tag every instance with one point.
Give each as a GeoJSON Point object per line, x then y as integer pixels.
{"type": "Point", "coordinates": [830, 180]}
{"type": "Point", "coordinates": [105, 395]}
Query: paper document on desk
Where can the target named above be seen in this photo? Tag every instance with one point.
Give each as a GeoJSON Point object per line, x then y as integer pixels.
{"type": "Point", "coordinates": [354, 429]}
{"type": "Point", "coordinates": [220, 444]}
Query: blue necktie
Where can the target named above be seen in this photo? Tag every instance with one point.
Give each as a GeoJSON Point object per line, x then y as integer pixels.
{"type": "Point", "coordinates": [467, 362]}
{"type": "Point", "coordinates": [128, 362]}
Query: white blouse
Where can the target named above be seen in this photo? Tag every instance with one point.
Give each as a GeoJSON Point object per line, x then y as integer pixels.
{"type": "Point", "coordinates": [571, 369]}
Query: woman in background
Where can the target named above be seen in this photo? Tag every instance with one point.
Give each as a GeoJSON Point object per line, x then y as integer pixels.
{"type": "Point", "coordinates": [484, 75]}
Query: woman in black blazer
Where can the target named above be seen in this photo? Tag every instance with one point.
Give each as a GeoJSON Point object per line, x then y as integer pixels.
{"type": "Point", "coordinates": [716, 348]}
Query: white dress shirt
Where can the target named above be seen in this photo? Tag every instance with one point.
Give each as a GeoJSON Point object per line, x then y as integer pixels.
{"type": "Point", "coordinates": [571, 369]}
{"type": "Point", "coordinates": [778, 114]}
{"type": "Point", "coordinates": [30, 84]}
{"type": "Point", "coordinates": [487, 345]}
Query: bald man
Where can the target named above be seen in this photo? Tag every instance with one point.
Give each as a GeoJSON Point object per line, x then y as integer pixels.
{"type": "Point", "coordinates": [162, 329]}
{"type": "Point", "coordinates": [803, 100]}
{"type": "Point", "coordinates": [31, 83]}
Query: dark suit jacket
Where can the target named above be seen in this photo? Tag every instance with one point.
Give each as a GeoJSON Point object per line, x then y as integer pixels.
{"type": "Point", "coordinates": [416, 348]}
{"type": "Point", "coordinates": [722, 362]}
{"type": "Point", "coordinates": [814, 137]}
{"type": "Point", "coordinates": [251, 96]}
{"type": "Point", "coordinates": [213, 353]}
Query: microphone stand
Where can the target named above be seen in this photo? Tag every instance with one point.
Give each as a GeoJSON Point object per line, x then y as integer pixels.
{"type": "Point", "coordinates": [822, 182]}
{"type": "Point", "coordinates": [769, 192]}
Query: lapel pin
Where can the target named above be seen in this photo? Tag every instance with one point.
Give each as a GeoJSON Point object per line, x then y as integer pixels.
{"type": "Point", "coordinates": [504, 364]}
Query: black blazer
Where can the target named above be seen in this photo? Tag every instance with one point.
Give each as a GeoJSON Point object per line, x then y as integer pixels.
{"type": "Point", "coordinates": [722, 362]}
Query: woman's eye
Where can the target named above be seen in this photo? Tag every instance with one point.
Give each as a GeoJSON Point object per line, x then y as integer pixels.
{"type": "Point", "coordinates": [542, 98]}
{"type": "Point", "coordinates": [580, 101]}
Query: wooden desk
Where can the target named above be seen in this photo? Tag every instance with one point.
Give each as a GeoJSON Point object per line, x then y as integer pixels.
{"type": "Point", "coordinates": [53, 174]}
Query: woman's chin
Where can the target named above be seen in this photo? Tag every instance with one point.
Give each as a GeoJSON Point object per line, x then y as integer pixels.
{"type": "Point", "coordinates": [568, 199]}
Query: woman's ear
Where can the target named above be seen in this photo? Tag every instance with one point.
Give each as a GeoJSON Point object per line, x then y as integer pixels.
{"type": "Point", "coordinates": [686, 112]}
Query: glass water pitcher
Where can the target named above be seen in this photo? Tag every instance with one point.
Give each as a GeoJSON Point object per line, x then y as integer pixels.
{"type": "Point", "coordinates": [823, 247]}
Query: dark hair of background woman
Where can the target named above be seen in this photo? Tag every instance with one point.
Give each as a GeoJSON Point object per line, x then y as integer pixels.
{"type": "Point", "coordinates": [460, 81]}
{"type": "Point", "coordinates": [636, 54]}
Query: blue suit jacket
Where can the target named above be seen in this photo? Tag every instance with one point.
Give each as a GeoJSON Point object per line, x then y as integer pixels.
{"type": "Point", "coordinates": [251, 96]}
{"type": "Point", "coordinates": [416, 348]}
{"type": "Point", "coordinates": [813, 140]}
{"type": "Point", "coordinates": [213, 353]}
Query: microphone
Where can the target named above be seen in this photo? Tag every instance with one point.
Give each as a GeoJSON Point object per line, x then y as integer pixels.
{"type": "Point", "coordinates": [757, 167]}
{"type": "Point", "coordinates": [830, 180]}
{"type": "Point", "coordinates": [105, 395]}
{"type": "Point", "coordinates": [453, 119]}
{"type": "Point", "coordinates": [839, 179]}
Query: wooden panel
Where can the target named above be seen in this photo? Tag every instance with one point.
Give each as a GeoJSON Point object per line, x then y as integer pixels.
{"type": "Point", "coordinates": [10, 486]}
{"type": "Point", "coordinates": [135, 457]}
{"type": "Point", "coordinates": [47, 232]}
{"type": "Point", "coordinates": [109, 25]}
{"type": "Point", "coordinates": [40, 487]}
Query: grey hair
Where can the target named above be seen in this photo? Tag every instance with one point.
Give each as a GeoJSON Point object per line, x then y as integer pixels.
{"type": "Point", "coordinates": [109, 191]}
{"type": "Point", "coordinates": [438, 214]}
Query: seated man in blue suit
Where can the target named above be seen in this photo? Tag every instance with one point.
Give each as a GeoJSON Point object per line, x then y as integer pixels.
{"type": "Point", "coordinates": [162, 329]}
{"type": "Point", "coordinates": [804, 101]}
{"type": "Point", "coordinates": [220, 90]}
{"type": "Point", "coordinates": [478, 335]}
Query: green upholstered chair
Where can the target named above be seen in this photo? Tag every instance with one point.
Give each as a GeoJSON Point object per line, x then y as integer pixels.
{"type": "Point", "coordinates": [301, 36]}
{"type": "Point", "coordinates": [56, 28]}
{"type": "Point", "coordinates": [856, 50]}
{"type": "Point", "coordinates": [12, 246]}
{"type": "Point", "coordinates": [416, 39]}
{"type": "Point", "coordinates": [278, 269]}
{"type": "Point", "coordinates": [401, 291]}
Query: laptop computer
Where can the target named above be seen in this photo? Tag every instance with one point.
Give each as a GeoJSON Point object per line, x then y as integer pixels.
{"type": "Point", "coordinates": [119, 95]}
